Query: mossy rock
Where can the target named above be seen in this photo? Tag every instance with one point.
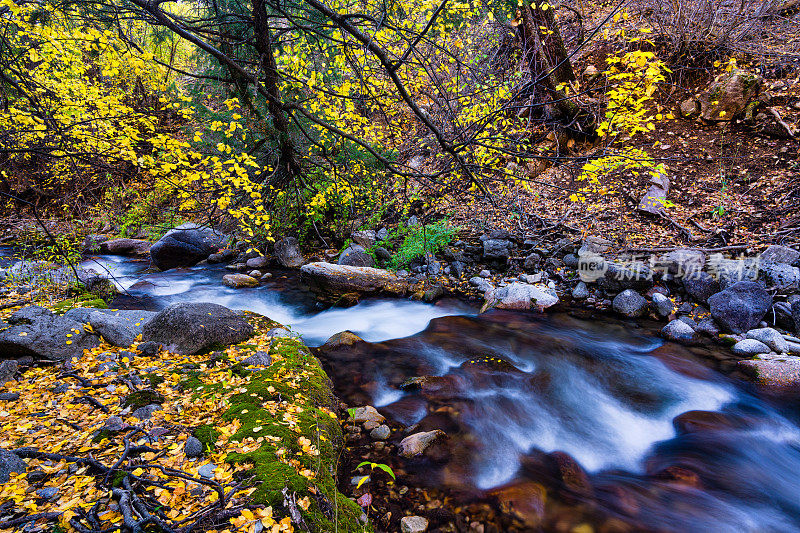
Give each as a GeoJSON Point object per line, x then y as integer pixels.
{"type": "Point", "coordinates": [141, 398]}
{"type": "Point", "coordinates": [207, 434]}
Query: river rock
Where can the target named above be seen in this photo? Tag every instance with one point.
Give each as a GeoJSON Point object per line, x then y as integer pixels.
{"type": "Point", "coordinates": [8, 370]}
{"type": "Point", "coordinates": [780, 254]}
{"type": "Point", "coordinates": [581, 291]}
{"type": "Point", "coordinates": [186, 245]}
{"type": "Point", "coordinates": [341, 339]}
{"type": "Point", "coordinates": [413, 524]}
{"type": "Point", "coordinates": [125, 247]}
{"type": "Point", "coordinates": [380, 433]}
{"type": "Point", "coordinates": [780, 276]}
{"type": "Point", "coordinates": [662, 304]}
{"type": "Point", "coordinates": [287, 250]}
{"type": "Point", "coordinates": [497, 249]}
{"type": "Point", "coordinates": [630, 303]}
{"type": "Point", "coordinates": [707, 326]}
{"type": "Point", "coordinates": [38, 333]}
{"type": "Point", "coordinates": [417, 443]}
{"type": "Point", "coordinates": [795, 307]}
{"type": "Point", "coordinates": [239, 281]}
{"type": "Point", "coordinates": [749, 347]}
{"type": "Point", "coordinates": [729, 95]}
{"type": "Point", "coordinates": [700, 286]}
{"type": "Point", "coordinates": [260, 358]}
{"type": "Point", "coordinates": [520, 296]}
{"type": "Point", "coordinates": [741, 306]}
{"type": "Point", "coordinates": [683, 262]}
{"type": "Point", "coordinates": [481, 284]}
{"type": "Point", "coordinates": [524, 500]}
{"type": "Point", "coordinates": [332, 280]}
{"type": "Point", "coordinates": [679, 331]}
{"type": "Point", "coordinates": [193, 447]}
{"type": "Point", "coordinates": [119, 328]}
{"type": "Point", "coordinates": [771, 338]}
{"type": "Point", "coordinates": [618, 277]}
{"type": "Point", "coordinates": [532, 261]}
{"type": "Point", "coordinates": [10, 463]}
{"type": "Point", "coordinates": [367, 413]}
{"type": "Point", "coordinates": [730, 271]}
{"type": "Point", "coordinates": [779, 374]}
{"type": "Point", "coordinates": [356, 255]}
{"type": "Point", "coordinates": [257, 263]}
{"type": "Point", "coordinates": [188, 328]}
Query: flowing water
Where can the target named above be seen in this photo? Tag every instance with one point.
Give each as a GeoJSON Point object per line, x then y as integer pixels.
{"type": "Point", "coordinates": [649, 436]}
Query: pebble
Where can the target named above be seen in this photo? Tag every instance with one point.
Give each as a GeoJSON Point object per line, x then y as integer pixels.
{"type": "Point", "coordinates": [193, 447]}
{"type": "Point", "coordinates": [380, 433]}
{"type": "Point", "coordinates": [47, 493]}
{"type": "Point", "coordinates": [207, 471]}
{"type": "Point", "coordinates": [413, 524]}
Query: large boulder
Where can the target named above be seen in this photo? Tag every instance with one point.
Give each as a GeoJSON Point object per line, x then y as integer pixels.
{"type": "Point", "coordinates": [779, 275]}
{"type": "Point", "coordinates": [189, 328]}
{"type": "Point", "coordinates": [700, 286]}
{"type": "Point", "coordinates": [119, 328]}
{"type": "Point", "coordinates": [186, 245]}
{"type": "Point", "coordinates": [521, 296]}
{"type": "Point", "coordinates": [332, 280]}
{"type": "Point", "coordinates": [39, 333]}
{"type": "Point", "coordinates": [780, 254]}
{"type": "Point", "coordinates": [729, 95]}
{"type": "Point", "coordinates": [125, 247]}
{"type": "Point", "coordinates": [356, 255]}
{"type": "Point", "coordinates": [741, 306]}
{"type": "Point", "coordinates": [497, 249]}
{"type": "Point", "coordinates": [287, 250]}
{"type": "Point", "coordinates": [778, 374]}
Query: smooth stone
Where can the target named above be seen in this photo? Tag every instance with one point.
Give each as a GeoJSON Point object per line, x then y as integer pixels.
{"type": "Point", "coordinates": [520, 296]}
{"type": "Point", "coordinates": [417, 443]}
{"type": "Point", "coordinates": [381, 432]}
{"type": "Point", "coordinates": [47, 493]}
{"type": "Point", "coordinates": [207, 471]}
{"type": "Point", "coordinates": [413, 524]}
{"type": "Point", "coordinates": [257, 263]}
{"type": "Point", "coordinates": [750, 347]}
{"type": "Point", "coordinates": [365, 413]}
{"type": "Point", "coordinates": [771, 338]}
{"type": "Point", "coordinates": [239, 281]}
{"type": "Point", "coordinates": [186, 245]}
{"type": "Point", "coordinates": [193, 447]}
{"type": "Point", "coordinates": [780, 374]}
{"type": "Point", "coordinates": [679, 331]}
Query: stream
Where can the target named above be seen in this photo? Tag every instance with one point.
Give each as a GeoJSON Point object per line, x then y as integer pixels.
{"type": "Point", "coordinates": [641, 431]}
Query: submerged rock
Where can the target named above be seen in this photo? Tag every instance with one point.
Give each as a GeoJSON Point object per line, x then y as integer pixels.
{"type": "Point", "coordinates": [520, 296]}
{"type": "Point", "coordinates": [239, 281]}
{"type": "Point", "coordinates": [332, 280]}
{"type": "Point", "coordinates": [188, 328]}
{"type": "Point", "coordinates": [524, 500]}
{"type": "Point", "coordinates": [417, 443]}
{"type": "Point", "coordinates": [39, 333]}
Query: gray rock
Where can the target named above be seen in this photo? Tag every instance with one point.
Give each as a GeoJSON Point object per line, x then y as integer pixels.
{"type": "Point", "coordinates": [683, 262]}
{"type": "Point", "coordinates": [149, 348]}
{"type": "Point", "coordinates": [287, 250]}
{"type": "Point", "coordinates": [730, 271]}
{"type": "Point", "coordinates": [255, 274]}
{"type": "Point", "coordinates": [330, 280]}
{"type": "Point", "coordinates": [47, 493]}
{"type": "Point", "coordinates": [381, 432]}
{"type": "Point", "coordinates": [662, 304]}
{"type": "Point", "coordinates": [679, 331]}
{"type": "Point", "coordinates": [707, 326]}
{"type": "Point", "coordinates": [188, 328]}
{"type": "Point", "coordinates": [520, 296]}
{"type": "Point", "coordinates": [741, 306]}
{"type": "Point", "coordinates": [114, 424]}
{"type": "Point", "coordinates": [193, 447]}
{"type": "Point", "coordinates": [780, 254]}
{"type": "Point", "coordinates": [10, 463]}
{"type": "Point", "coordinates": [581, 291]}
{"type": "Point", "coordinates": [700, 286]}
{"type": "Point", "coordinates": [484, 273]}
{"type": "Point", "coordinates": [595, 245]}
{"type": "Point", "coordinates": [497, 249]}
{"type": "Point", "coordinates": [207, 471]}
{"type": "Point", "coordinates": [621, 276]}
{"type": "Point", "coordinates": [365, 238]}
{"type": "Point", "coordinates": [457, 268]}
{"type": "Point", "coordinates": [260, 358]}
{"type": "Point", "coordinates": [771, 338]}
{"type": "Point", "coordinates": [778, 374]}
{"type": "Point", "coordinates": [412, 221]}
{"type": "Point", "coordinates": [630, 303]}
{"type": "Point", "coordinates": [144, 413]}
{"type": "Point", "coordinates": [779, 275]}
{"type": "Point", "coordinates": [9, 396]}
{"type": "Point", "coordinates": [239, 281]}
{"type": "Point", "coordinates": [119, 328]}
{"type": "Point", "coordinates": [256, 263]}
{"type": "Point", "coordinates": [125, 247]}
{"type": "Point", "coordinates": [383, 254]}
{"type": "Point", "coordinates": [750, 347]}
{"type": "Point", "coordinates": [367, 413]}
{"type": "Point", "coordinates": [40, 334]}
{"type": "Point", "coordinates": [355, 255]}
{"type": "Point", "coordinates": [8, 369]}
{"type": "Point", "coordinates": [413, 524]}
{"type": "Point", "coordinates": [186, 245]}
{"type": "Point", "coordinates": [417, 443]}
{"type": "Point", "coordinates": [796, 314]}
{"type": "Point", "coordinates": [481, 284]}
{"type": "Point", "coordinates": [571, 260]}
{"type": "Point", "coordinates": [532, 261]}
{"type": "Point", "coordinates": [382, 234]}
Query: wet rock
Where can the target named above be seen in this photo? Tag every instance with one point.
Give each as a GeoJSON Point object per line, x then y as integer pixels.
{"type": "Point", "coordinates": [679, 331]}
{"type": "Point", "coordinates": [341, 339]}
{"type": "Point", "coordinates": [662, 304]}
{"type": "Point", "coordinates": [287, 251]}
{"type": "Point", "coordinates": [239, 281]}
{"type": "Point", "coordinates": [188, 328]}
{"type": "Point", "coordinates": [630, 303]}
{"type": "Point", "coordinates": [750, 347]}
{"type": "Point", "coordinates": [255, 274]}
{"type": "Point", "coordinates": [125, 247]}
{"type": "Point", "coordinates": [193, 447]}
{"type": "Point", "coordinates": [779, 374]}
{"type": "Point", "coordinates": [38, 333]}
{"type": "Point", "coordinates": [771, 338]}
{"type": "Point", "coordinates": [741, 306]}
{"type": "Point", "coordinates": [8, 370]}
{"type": "Point", "coordinates": [257, 263]}
{"type": "Point", "coordinates": [356, 255]}
{"type": "Point", "coordinates": [366, 413]}
{"type": "Point", "coordinates": [729, 95]}
{"type": "Point", "coordinates": [701, 286]}
{"type": "Point", "coordinates": [331, 280]}
{"type": "Point", "coordinates": [413, 524]}
{"type": "Point", "coordinates": [380, 433]}
{"type": "Point", "coordinates": [10, 463]}
{"type": "Point", "coordinates": [780, 255]}
{"type": "Point", "coordinates": [260, 358]}
{"type": "Point", "coordinates": [581, 291]}
{"type": "Point", "coordinates": [707, 326]}
{"type": "Point", "coordinates": [417, 443]}
{"type": "Point", "coordinates": [185, 245]}
{"type": "Point", "coordinates": [701, 421]}
{"type": "Point", "coordinates": [525, 501]}
{"type": "Point", "coordinates": [520, 296]}
{"type": "Point", "coordinates": [572, 476]}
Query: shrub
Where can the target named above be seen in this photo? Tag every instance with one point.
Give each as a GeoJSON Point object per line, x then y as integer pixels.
{"type": "Point", "coordinates": [421, 240]}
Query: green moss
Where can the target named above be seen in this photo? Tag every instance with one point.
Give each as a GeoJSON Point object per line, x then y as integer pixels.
{"type": "Point", "coordinates": [86, 300]}
{"type": "Point", "coordinates": [154, 379]}
{"type": "Point", "coordinates": [207, 434]}
{"type": "Point", "coordinates": [140, 398]}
